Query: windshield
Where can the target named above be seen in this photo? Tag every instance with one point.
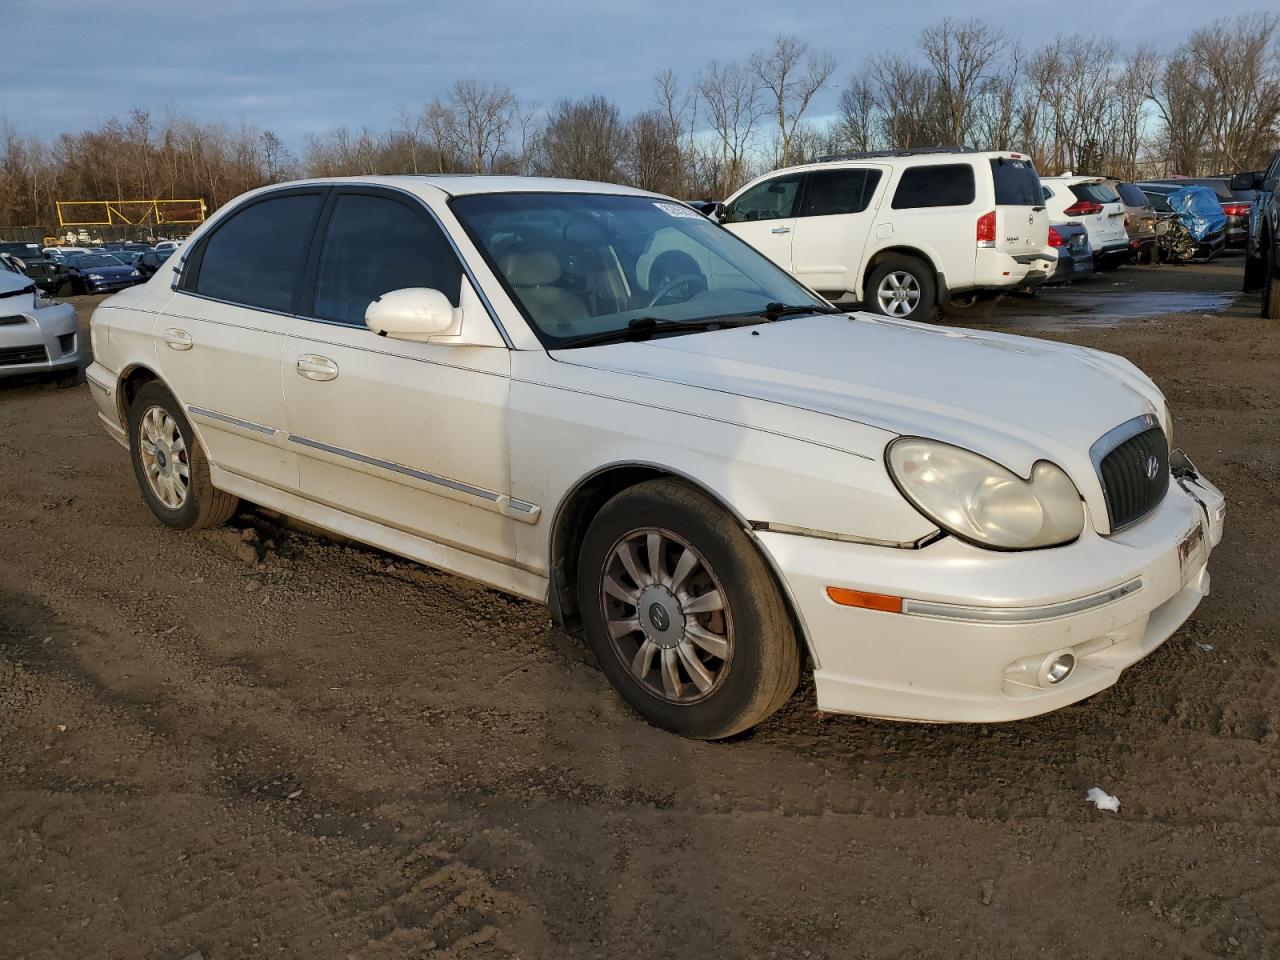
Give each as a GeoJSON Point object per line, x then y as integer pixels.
{"type": "Point", "coordinates": [586, 264]}
{"type": "Point", "coordinates": [96, 260]}
{"type": "Point", "coordinates": [23, 251]}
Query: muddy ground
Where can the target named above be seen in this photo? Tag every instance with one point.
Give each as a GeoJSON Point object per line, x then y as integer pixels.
{"type": "Point", "coordinates": [256, 742]}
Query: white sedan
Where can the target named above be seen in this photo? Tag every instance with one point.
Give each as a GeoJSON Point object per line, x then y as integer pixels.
{"type": "Point", "coordinates": [596, 398]}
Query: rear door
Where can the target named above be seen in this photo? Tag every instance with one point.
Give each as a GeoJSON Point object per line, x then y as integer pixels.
{"type": "Point", "coordinates": [221, 336]}
{"type": "Point", "coordinates": [836, 214]}
{"type": "Point", "coordinates": [765, 216]}
{"type": "Point", "coordinates": [1022, 224]}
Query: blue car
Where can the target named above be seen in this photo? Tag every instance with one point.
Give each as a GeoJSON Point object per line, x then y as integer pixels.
{"type": "Point", "coordinates": [101, 273]}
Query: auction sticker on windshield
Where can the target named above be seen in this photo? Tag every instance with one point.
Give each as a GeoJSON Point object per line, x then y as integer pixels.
{"type": "Point", "coordinates": [678, 210]}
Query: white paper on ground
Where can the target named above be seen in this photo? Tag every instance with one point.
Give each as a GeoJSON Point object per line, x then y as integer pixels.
{"type": "Point", "coordinates": [1103, 800]}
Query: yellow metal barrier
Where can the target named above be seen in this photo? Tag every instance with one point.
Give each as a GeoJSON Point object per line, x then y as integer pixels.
{"type": "Point", "coordinates": [112, 213]}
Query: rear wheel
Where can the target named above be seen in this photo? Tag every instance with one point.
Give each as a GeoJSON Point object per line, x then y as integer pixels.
{"type": "Point", "coordinates": [903, 287]}
{"type": "Point", "coordinates": [170, 465]}
{"type": "Point", "coordinates": [684, 617]}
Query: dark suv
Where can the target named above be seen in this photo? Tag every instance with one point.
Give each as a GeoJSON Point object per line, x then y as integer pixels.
{"type": "Point", "coordinates": [1262, 254]}
{"type": "Point", "coordinates": [47, 274]}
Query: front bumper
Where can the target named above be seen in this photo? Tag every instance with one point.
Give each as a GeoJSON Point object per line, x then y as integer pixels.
{"type": "Point", "coordinates": [110, 286]}
{"type": "Point", "coordinates": [45, 340]}
{"type": "Point", "coordinates": [985, 622]}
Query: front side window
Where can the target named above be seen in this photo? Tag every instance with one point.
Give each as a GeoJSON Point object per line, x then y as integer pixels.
{"type": "Point", "coordinates": [771, 200]}
{"type": "Point", "coordinates": [582, 265]}
{"type": "Point", "coordinates": [936, 185]}
{"type": "Point", "coordinates": [257, 255]}
{"type": "Point", "coordinates": [831, 192]}
{"type": "Point", "coordinates": [374, 245]}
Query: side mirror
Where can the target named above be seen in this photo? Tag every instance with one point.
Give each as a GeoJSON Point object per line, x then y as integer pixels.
{"type": "Point", "coordinates": [1269, 185]}
{"type": "Point", "coordinates": [712, 209]}
{"type": "Point", "coordinates": [1244, 181]}
{"type": "Point", "coordinates": [414, 313]}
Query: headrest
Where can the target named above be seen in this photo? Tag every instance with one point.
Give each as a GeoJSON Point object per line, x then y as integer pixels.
{"type": "Point", "coordinates": [528, 267]}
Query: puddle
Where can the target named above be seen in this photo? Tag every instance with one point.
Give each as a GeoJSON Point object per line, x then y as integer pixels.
{"type": "Point", "coordinates": [1067, 307]}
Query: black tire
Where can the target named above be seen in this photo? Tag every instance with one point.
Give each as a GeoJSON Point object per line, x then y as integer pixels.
{"type": "Point", "coordinates": [926, 307]}
{"type": "Point", "coordinates": [1271, 288]}
{"type": "Point", "coordinates": [762, 665]}
{"type": "Point", "coordinates": [203, 504]}
{"type": "Point", "coordinates": [68, 378]}
{"type": "Point", "coordinates": [1254, 273]}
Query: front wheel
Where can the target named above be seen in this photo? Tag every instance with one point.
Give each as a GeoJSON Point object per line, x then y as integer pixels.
{"type": "Point", "coordinates": [684, 617]}
{"type": "Point", "coordinates": [903, 287]}
{"type": "Point", "coordinates": [170, 465]}
{"type": "Point", "coordinates": [1271, 287]}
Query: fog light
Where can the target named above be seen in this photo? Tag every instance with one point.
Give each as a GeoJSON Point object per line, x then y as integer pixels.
{"type": "Point", "coordinates": [1058, 668]}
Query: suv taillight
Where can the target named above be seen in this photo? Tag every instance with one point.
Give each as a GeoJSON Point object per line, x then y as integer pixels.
{"type": "Point", "coordinates": [1082, 208]}
{"type": "Point", "coordinates": [1055, 238]}
{"type": "Point", "coordinates": [1236, 209]}
{"type": "Point", "coordinates": [987, 229]}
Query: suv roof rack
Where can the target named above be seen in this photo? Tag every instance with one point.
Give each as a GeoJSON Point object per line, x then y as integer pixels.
{"type": "Point", "coordinates": [904, 152]}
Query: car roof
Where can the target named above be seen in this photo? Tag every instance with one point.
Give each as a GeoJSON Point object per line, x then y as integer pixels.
{"type": "Point", "coordinates": [458, 184]}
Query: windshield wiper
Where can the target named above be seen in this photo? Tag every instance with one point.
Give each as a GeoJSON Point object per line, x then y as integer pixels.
{"type": "Point", "coordinates": [773, 311]}
{"type": "Point", "coordinates": [642, 328]}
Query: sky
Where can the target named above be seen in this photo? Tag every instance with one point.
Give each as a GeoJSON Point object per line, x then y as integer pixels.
{"type": "Point", "coordinates": [307, 66]}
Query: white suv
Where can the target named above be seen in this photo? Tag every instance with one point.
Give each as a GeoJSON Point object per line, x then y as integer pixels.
{"type": "Point", "coordinates": [902, 232]}
{"type": "Point", "coordinates": [1092, 202]}
{"type": "Point", "coordinates": [594, 397]}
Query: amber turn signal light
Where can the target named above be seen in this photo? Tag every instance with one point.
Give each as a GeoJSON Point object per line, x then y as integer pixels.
{"type": "Point", "coordinates": [868, 601]}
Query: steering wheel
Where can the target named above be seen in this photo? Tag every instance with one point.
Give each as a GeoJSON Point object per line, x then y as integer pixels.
{"type": "Point", "coordinates": [675, 283]}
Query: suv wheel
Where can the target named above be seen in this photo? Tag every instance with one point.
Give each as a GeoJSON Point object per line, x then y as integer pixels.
{"type": "Point", "coordinates": [1254, 272]}
{"type": "Point", "coordinates": [903, 287]}
{"type": "Point", "coordinates": [684, 617]}
{"type": "Point", "coordinates": [170, 465]}
{"type": "Point", "coordinates": [1271, 288]}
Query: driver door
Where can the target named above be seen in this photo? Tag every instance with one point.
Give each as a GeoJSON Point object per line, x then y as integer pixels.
{"type": "Point", "coordinates": [765, 216]}
{"type": "Point", "coordinates": [410, 435]}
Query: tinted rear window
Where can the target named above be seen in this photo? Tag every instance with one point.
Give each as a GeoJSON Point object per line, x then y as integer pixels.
{"type": "Point", "coordinates": [1017, 183]}
{"type": "Point", "coordinates": [943, 185]}
{"type": "Point", "coordinates": [1131, 195]}
{"type": "Point", "coordinates": [830, 192]}
{"type": "Point", "coordinates": [1097, 192]}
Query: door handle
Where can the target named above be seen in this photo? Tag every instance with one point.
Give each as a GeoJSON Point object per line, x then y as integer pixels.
{"type": "Point", "coordinates": [176, 339]}
{"type": "Point", "coordinates": [314, 367]}
{"type": "Point", "coordinates": [780, 230]}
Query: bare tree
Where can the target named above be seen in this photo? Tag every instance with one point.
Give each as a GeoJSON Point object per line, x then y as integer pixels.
{"type": "Point", "coordinates": [857, 123]}
{"type": "Point", "coordinates": [584, 139]}
{"type": "Point", "coordinates": [732, 98]}
{"type": "Point", "coordinates": [960, 55]}
{"type": "Point", "coordinates": [907, 103]}
{"type": "Point", "coordinates": [791, 75]}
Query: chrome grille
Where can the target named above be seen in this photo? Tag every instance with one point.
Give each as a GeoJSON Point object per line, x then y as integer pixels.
{"type": "Point", "coordinates": [1133, 465]}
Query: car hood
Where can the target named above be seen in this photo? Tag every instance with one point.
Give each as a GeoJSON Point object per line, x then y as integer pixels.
{"type": "Point", "coordinates": [1014, 399]}
{"type": "Point", "coordinates": [13, 283]}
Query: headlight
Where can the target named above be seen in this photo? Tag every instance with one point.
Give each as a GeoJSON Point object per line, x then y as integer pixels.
{"type": "Point", "coordinates": [95, 276]}
{"type": "Point", "coordinates": [133, 273]}
{"type": "Point", "coordinates": [980, 501]}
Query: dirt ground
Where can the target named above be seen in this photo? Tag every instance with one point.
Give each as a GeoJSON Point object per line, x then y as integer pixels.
{"type": "Point", "coordinates": [255, 742]}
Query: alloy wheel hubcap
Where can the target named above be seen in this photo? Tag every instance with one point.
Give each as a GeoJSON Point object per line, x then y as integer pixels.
{"type": "Point", "coordinates": [164, 457]}
{"type": "Point", "coordinates": [667, 616]}
{"type": "Point", "coordinates": [898, 294]}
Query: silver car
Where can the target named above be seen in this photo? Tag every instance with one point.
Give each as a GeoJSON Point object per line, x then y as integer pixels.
{"type": "Point", "coordinates": [37, 336]}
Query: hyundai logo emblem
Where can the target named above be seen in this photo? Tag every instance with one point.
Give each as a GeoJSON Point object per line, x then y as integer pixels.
{"type": "Point", "coordinates": [1152, 466]}
{"type": "Point", "coordinates": [660, 618]}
